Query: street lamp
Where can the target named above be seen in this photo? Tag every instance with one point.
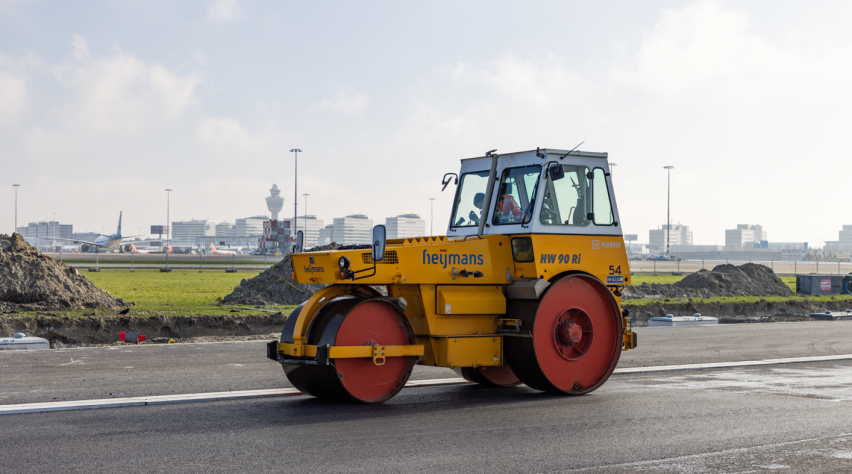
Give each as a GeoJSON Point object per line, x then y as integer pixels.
{"type": "Point", "coordinates": [669, 208]}
{"type": "Point", "coordinates": [296, 152]}
{"type": "Point", "coordinates": [306, 210]}
{"type": "Point", "coordinates": [432, 220]}
{"type": "Point", "coordinates": [168, 209]}
{"type": "Point", "coordinates": [16, 186]}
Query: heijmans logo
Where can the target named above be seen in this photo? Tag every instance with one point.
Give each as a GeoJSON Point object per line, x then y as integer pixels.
{"type": "Point", "coordinates": [443, 258]}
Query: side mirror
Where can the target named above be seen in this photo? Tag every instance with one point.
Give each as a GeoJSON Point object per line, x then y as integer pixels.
{"type": "Point", "coordinates": [379, 238]}
{"type": "Point", "coordinates": [300, 238]}
{"type": "Point", "coordinates": [557, 172]}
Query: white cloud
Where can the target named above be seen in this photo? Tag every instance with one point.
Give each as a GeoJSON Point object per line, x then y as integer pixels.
{"type": "Point", "coordinates": [224, 10]}
{"type": "Point", "coordinates": [346, 101]}
{"type": "Point", "coordinates": [223, 136]}
{"type": "Point", "coordinates": [13, 98]}
{"type": "Point", "coordinates": [120, 93]}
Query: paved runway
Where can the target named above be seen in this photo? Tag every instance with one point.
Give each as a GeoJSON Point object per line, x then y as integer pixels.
{"type": "Point", "coordinates": [733, 420]}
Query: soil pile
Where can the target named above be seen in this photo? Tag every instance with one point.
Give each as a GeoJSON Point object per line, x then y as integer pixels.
{"type": "Point", "coordinates": [275, 285]}
{"type": "Point", "coordinates": [31, 281]}
{"type": "Point", "coordinates": [749, 279]}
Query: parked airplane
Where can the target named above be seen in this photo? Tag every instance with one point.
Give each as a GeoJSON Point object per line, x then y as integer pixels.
{"type": "Point", "coordinates": [169, 249]}
{"type": "Point", "coordinates": [108, 242]}
{"type": "Point", "coordinates": [220, 252]}
{"type": "Point", "coordinates": [133, 249]}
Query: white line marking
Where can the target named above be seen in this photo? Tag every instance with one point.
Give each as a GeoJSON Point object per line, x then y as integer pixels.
{"type": "Point", "coordinates": [725, 365]}
{"type": "Point", "coordinates": [283, 392]}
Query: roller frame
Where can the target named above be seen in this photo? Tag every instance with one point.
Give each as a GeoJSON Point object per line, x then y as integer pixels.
{"type": "Point", "coordinates": [325, 352]}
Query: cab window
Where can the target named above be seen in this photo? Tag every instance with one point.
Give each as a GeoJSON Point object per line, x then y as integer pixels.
{"type": "Point", "coordinates": [571, 198]}
{"type": "Point", "coordinates": [467, 209]}
{"type": "Point", "coordinates": [566, 196]}
{"type": "Point", "coordinates": [516, 196]}
{"type": "Point", "coordinates": [601, 205]}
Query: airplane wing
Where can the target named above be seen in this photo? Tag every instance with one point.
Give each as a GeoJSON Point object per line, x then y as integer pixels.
{"type": "Point", "coordinates": [78, 241]}
{"type": "Point", "coordinates": [137, 242]}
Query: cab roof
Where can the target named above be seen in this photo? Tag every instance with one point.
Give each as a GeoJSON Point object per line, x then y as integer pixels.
{"type": "Point", "coordinates": [552, 151]}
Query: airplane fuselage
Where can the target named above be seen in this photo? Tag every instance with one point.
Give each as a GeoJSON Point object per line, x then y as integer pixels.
{"type": "Point", "coordinates": [108, 242]}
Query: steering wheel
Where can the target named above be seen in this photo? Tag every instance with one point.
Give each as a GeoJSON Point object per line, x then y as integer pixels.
{"type": "Point", "coordinates": [547, 213]}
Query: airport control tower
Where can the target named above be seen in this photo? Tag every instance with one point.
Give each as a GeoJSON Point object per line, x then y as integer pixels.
{"type": "Point", "coordinates": [274, 202]}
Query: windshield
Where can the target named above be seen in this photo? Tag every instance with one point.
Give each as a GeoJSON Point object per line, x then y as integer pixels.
{"type": "Point", "coordinates": [468, 207]}
{"type": "Point", "coordinates": [515, 200]}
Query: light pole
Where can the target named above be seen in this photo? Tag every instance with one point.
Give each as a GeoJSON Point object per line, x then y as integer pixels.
{"type": "Point", "coordinates": [16, 186]}
{"type": "Point", "coordinates": [306, 209]}
{"type": "Point", "coordinates": [432, 217]}
{"type": "Point", "coordinates": [296, 151]}
{"type": "Point", "coordinates": [668, 208]}
{"type": "Point", "coordinates": [168, 224]}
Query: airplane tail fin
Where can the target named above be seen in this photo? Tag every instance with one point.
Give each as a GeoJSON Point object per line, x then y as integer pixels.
{"type": "Point", "coordinates": [212, 247]}
{"type": "Point", "coordinates": [119, 223]}
{"type": "Point", "coordinates": [133, 247]}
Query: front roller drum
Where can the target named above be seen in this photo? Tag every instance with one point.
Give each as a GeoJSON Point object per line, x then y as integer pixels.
{"type": "Point", "coordinates": [356, 322]}
{"type": "Point", "coordinates": [576, 331]}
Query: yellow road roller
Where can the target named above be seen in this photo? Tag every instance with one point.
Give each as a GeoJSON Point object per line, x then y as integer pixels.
{"type": "Point", "coordinates": [524, 288]}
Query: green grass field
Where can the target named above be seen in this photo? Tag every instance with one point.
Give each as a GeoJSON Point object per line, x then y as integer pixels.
{"type": "Point", "coordinates": [178, 292]}
{"type": "Point", "coordinates": [192, 293]}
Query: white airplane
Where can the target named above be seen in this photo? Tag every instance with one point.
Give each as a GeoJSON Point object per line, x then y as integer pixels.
{"type": "Point", "coordinates": [133, 249]}
{"type": "Point", "coordinates": [108, 242]}
{"type": "Point", "coordinates": [220, 252]}
{"type": "Point", "coordinates": [169, 249]}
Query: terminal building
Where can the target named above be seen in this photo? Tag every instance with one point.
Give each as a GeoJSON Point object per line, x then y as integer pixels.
{"type": "Point", "coordinates": [843, 245]}
{"type": "Point", "coordinates": [356, 229]}
{"type": "Point", "coordinates": [325, 235]}
{"type": "Point", "coordinates": [405, 225]}
{"type": "Point", "coordinates": [42, 230]}
{"type": "Point", "coordinates": [679, 235]}
{"type": "Point", "coordinates": [185, 233]}
{"type": "Point", "coordinates": [42, 234]}
{"type": "Point", "coordinates": [745, 237]}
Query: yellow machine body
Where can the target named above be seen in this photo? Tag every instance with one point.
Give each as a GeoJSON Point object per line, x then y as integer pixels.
{"type": "Point", "coordinates": [439, 306]}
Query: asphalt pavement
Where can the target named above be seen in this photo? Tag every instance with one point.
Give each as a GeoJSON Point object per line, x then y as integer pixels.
{"type": "Point", "coordinates": [756, 419]}
{"type": "Point", "coordinates": [166, 369]}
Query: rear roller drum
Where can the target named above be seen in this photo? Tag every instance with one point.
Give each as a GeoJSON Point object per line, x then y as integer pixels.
{"type": "Point", "coordinates": [576, 337]}
{"type": "Point", "coordinates": [490, 376]}
{"type": "Point", "coordinates": [356, 322]}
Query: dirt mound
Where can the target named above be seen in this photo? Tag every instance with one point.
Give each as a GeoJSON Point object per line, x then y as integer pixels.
{"type": "Point", "coordinates": [31, 281]}
{"type": "Point", "coordinates": [749, 279]}
{"type": "Point", "coordinates": [275, 285]}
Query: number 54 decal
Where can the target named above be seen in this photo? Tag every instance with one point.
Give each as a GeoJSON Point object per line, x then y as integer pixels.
{"type": "Point", "coordinates": [615, 277]}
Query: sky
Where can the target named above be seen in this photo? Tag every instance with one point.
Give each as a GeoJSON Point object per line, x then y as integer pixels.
{"type": "Point", "coordinates": [105, 104]}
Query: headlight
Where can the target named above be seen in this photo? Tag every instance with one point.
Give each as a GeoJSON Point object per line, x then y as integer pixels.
{"type": "Point", "coordinates": [343, 262]}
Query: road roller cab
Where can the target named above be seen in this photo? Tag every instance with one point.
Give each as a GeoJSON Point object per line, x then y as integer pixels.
{"type": "Point", "coordinates": [524, 288]}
